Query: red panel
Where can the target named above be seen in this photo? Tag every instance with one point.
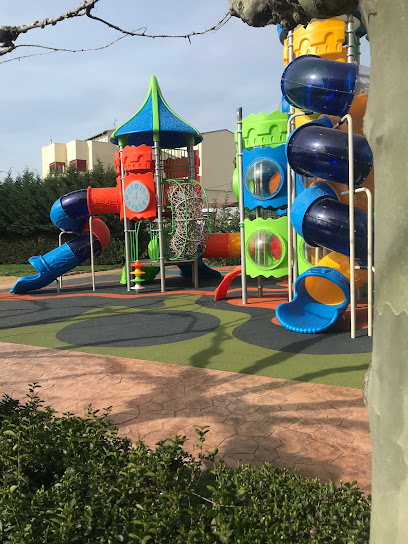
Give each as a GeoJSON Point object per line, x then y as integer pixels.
{"type": "Point", "coordinates": [150, 212]}
{"type": "Point", "coordinates": [138, 158]}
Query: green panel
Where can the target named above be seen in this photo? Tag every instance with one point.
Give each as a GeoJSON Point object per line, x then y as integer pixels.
{"type": "Point", "coordinates": [267, 266]}
{"type": "Point", "coordinates": [303, 263]}
{"type": "Point", "coordinates": [235, 183]}
{"type": "Point", "coordinates": [264, 129]}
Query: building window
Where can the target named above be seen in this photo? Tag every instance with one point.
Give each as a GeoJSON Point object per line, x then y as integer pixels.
{"type": "Point", "coordinates": [57, 167]}
{"type": "Point", "coordinates": [79, 164]}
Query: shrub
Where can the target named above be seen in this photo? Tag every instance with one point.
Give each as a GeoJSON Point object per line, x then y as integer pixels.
{"type": "Point", "coordinates": [74, 480]}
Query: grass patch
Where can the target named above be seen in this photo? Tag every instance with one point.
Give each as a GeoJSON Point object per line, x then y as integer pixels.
{"type": "Point", "coordinates": [28, 270]}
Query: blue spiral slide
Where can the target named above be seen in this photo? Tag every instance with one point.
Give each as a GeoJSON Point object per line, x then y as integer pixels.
{"type": "Point", "coordinates": [316, 149]}
{"type": "Point", "coordinates": [69, 213]}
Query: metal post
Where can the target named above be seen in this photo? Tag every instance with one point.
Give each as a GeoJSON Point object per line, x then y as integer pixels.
{"type": "Point", "coordinates": [351, 225]}
{"type": "Point", "coordinates": [191, 162]}
{"type": "Point", "coordinates": [350, 38]}
{"type": "Point", "coordinates": [125, 221]}
{"type": "Point", "coordinates": [317, 256]}
{"type": "Point", "coordinates": [291, 56]}
{"type": "Point", "coordinates": [350, 59]}
{"type": "Point", "coordinates": [92, 253]}
{"type": "Point", "coordinates": [195, 273]}
{"type": "Point", "coordinates": [158, 180]}
{"type": "Point", "coordinates": [369, 257]}
{"type": "Point", "coordinates": [292, 235]}
{"type": "Point", "coordinates": [259, 278]}
{"type": "Point", "coordinates": [59, 280]}
{"type": "Point", "coordinates": [241, 206]}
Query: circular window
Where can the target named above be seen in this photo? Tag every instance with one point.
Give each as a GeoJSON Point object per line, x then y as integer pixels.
{"type": "Point", "coordinates": [263, 178]}
{"type": "Point", "coordinates": [265, 249]}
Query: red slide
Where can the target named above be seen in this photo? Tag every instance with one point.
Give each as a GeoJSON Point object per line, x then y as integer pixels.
{"type": "Point", "coordinates": [222, 289]}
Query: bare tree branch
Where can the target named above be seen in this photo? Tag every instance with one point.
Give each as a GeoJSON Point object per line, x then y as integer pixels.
{"type": "Point", "coordinates": [9, 34]}
{"type": "Point", "coordinates": [57, 49]}
{"type": "Point", "coordinates": [214, 28]}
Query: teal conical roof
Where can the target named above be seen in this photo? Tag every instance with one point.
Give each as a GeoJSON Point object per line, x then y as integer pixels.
{"type": "Point", "coordinates": [156, 122]}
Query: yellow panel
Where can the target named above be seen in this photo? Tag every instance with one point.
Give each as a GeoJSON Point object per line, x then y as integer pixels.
{"type": "Point", "coordinates": [322, 38]}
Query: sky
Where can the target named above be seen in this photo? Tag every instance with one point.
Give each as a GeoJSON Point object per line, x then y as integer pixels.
{"type": "Point", "coordinates": [67, 96]}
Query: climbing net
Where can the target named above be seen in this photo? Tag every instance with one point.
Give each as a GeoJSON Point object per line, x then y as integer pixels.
{"type": "Point", "coordinates": [187, 201]}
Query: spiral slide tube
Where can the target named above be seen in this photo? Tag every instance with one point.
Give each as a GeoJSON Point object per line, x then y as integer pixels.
{"type": "Point", "coordinates": [317, 149]}
{"type": "Point", "coordinates": [71, 213]}
{"type": "Point", "coordinates": [322, 293]}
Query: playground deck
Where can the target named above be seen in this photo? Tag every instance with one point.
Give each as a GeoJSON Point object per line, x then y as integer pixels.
{"type": "Point", "coordinates": [166, 362]}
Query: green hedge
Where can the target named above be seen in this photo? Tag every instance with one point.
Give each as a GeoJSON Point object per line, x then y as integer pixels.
{"type": "Point", "coordinates": [18, 251]}
{"type": "Point", "coordinates": [72, 480]}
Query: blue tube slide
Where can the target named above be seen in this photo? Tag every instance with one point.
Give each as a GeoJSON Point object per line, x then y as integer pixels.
{"type": "Point", "coordinates": [316, 149]}
{"type": "Point", "coordinates": [319, 217]}
{"type": "Point", "coordinates": [311, 83]}
{"type": "Point", "coordinates": [306, 315]}
{"type": "Point", "coordinates": [69, 213]}
{"type": "Point", "coordinates": [204, 271]}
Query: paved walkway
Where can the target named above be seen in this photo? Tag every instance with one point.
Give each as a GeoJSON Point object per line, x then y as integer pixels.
{"type": "Point", "coordinates": [321, 430]}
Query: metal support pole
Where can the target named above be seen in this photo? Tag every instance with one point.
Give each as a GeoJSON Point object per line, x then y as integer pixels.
{"type": "Point", "coordinates": [291, 56]}
{"type": "Point", "coordinates": [370, 267]}
{"type": "Point", "coordinates": [317, 256]}
{"type": "Point", "coordinates": [350, 38]}
{"type": "Point", "coordinates": [259, 278]}
{"type": "Point", "coordinates": [241, 206]}
{"type": "Point", "coordinates": [195, 273]}
{"type": "Point", "coordinates": [159, 191]}
{"type": "Point", "coordinates": [59, 279]}
{"type": "Point", "coordinates": [191, 162]}
{"type": "Point", "coordinates": [351, 225]}
{"type": "Point", "coordinates": [91, 244]}
{"type": "Point", "coordinates": [292, 235]}
{"type": "Point", "coordinates": [125, 221]}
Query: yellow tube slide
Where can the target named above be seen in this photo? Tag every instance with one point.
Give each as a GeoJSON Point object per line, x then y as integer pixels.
{"type": "Point", "coordinates": [325, 291]}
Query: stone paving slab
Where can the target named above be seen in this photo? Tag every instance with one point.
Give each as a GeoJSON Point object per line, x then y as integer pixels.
{"type": "Point", "coordinates": [322, 430]}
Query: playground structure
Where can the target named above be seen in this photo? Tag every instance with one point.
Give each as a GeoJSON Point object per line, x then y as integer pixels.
{"type": "Point", "coordinates": [313, 158]}
{"type": "Point", "coordinates": [309, 164]}
{"type": "Point", "coordinates": [157, 183]}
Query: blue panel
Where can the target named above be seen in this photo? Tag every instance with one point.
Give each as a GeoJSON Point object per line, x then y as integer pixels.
{"type": "Point", "coordinates": [285, 106]}
{"type": "Point", "coordinates": [305, 314]}
{"type": "Point", "coordinates": [274, 157]}
{"type": "Point", "coordinates": [142, 122]}
{"type": "Point", "coordinates": [173, 130]}
{"type": "Point", "coordinates": [319, 85]}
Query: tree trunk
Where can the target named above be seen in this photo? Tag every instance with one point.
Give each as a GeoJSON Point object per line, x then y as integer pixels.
{"type": "Point", "coordinates": [386, 127]}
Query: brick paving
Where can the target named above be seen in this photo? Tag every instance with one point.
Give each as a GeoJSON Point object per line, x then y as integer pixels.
{"type": "Point", "coordinates": [322, 430]}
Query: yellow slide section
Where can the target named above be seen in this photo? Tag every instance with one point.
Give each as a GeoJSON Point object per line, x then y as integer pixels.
{"type": "Point", "coordinates": [325, 291]}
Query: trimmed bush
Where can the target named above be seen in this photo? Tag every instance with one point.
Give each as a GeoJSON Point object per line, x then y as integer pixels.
{"type": "Point", "coordinates": [74, 480]}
